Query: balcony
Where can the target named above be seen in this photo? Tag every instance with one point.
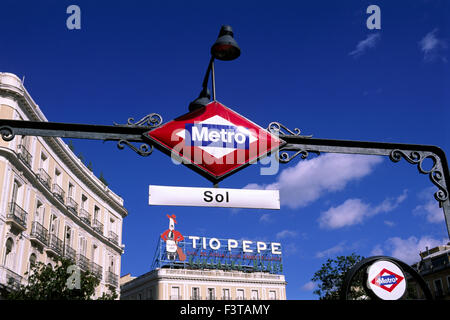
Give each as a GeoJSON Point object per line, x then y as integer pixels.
{"type": "Point", "coordinates": [17, 217]}
{"type": "Point", "coordinates": [44, 177]}
{"type": "Point", "coordinates": [9, 278]}
{"type": "Point", "coordinates": [196, 297]}
{"type": "Point", "coordinates": [83, 263]}
{"type": "Point", "coordinates": [85, 216]}
{"type": "Point", "coordinates": [111, 278]}
{"type": "Point", "coordinates": [72, 205]}
{"type": "Point", "coordinates": [58, 192]}
{"type": "Point", "coordinates": [98, 226]}
{"type": "Point", "coordinates": [97, 270]}
{"type": "Point", "coordinates": [39, 234]}
{"type": "Point", "coordinates": [70, 253]}
{"type": "Point", "coordinates": [210, 297]}
{"type": "Point", "coordinates": [113, 237]}
{"type": "Point", "coordinates": [176, 297]}
{"type": "Point", "coordinates": [55, 246]}
{"type": "Point", "coordinates": [24, 155]}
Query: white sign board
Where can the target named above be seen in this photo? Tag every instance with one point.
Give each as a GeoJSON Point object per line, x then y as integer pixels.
{"type": "Point", "coordinates": [214, 197]}
{"type": "Point", "coordinates": [386, 280]}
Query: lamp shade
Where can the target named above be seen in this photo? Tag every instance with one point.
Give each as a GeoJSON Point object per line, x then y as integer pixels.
{"type": "Point", "coordinates": [225, 47]}
{"type": "Point", "coordinates": [203, 99]}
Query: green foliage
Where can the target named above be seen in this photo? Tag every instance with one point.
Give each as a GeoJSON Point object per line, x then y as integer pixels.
{"type": "Point", "coordinates": [331, 276]}
{"type": "Point", "coordinates": [47, 283]}
{"type": "Point", "coordinates": [102, 179]}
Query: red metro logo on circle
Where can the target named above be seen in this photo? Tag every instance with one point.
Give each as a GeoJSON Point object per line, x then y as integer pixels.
{"type": "Point", "coordinates": [387, 280]}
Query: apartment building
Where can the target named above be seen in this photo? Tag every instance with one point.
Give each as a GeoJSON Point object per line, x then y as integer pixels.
{"type": "Point", "coordinates": [51, 204]}
{"type": "Point", "coordinates": [434, 267]}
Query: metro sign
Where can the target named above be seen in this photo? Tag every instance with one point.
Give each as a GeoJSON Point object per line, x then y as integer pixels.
{"type": "Point", "coordinates": [215, 141]}
{"type": "Point", "coordinates": [387, 280]}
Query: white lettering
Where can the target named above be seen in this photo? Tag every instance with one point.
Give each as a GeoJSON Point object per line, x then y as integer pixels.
{"type": "Point", "coordinates": [276, 248]}
{"type": "Point", "coordinates": [261, 246]}
{"type": "Point", "coordinates": [246, 246]}
{"type": "Point", "coordinates": [232, 244]}
{"type": "Point", "coordinates": [194, 241]}
{"type": "Point", "coordinates": [216, 246]}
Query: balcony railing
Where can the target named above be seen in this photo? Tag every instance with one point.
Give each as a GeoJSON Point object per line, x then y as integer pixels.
{"type": "Point", "coordinates": [58, 192]}
{"type": "Point", "coordinates": [24, 155]}
{"type": "Point", "coordinates": [9, 278]}
{"type": "Point", "coordinates": [70, 253]}
{"type": "Point", "coordinates": [175, 297]}
{"type": "Point", "coordinates": [98, 226]}
{"type": "Point", "coordinates": [85, 216]}
{"type": "Point", "coordinates": [44, 177]}
{"type": "Point", "coordinates": [210, 297]}
{"type": "Point", "coordinates": [111, 278]}
{"type": "Point", "coordinates": [113, 237]}
{"type": "Point", "coordinates": [39, 233]}
{"type": "Point", "coordinates": [196, 297]}
{"type": "Point", "coordinates": [72, 205]}
{"type": "Point", "coordinates": [17, 216]}
{"type": "Point", "coordinates": [97, 270]}
{"type": "Point", "coordinates": [83, 262]}
{"type": "Point", "coordinates": [55, 245]}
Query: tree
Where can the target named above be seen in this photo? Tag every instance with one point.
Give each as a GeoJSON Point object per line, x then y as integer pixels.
{"type": "Point", "coordinates": [331, 276]}
{"type": "Point", "coordinates": [63, 282]}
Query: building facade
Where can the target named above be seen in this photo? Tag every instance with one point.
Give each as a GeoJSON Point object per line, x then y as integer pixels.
{"type": "Point", "coordinates": [51, 204]}
{"type": "Point", "coordinates": [434, 267]}
{"type": "Point", "coordinates": [189, 284]}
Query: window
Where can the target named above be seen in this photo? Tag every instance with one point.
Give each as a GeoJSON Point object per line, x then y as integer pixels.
{"type": "Point", "coordinates": [58, 177]}
{"type": "Point", "coordinates": [68, 236]}
{"type": "Point", "coordinates": [175, 293]}
{"type": "Point", "coordinates": [84, 202]}
{"type": "Point", "coordinates": [195, 293]}
{"type": "Point", "coordinates": [44, 161]}
{"type": "Point", "coordinates": [83, 246]}
{"type": "Point", "coordinates": [438, 288]}
{"type": "Point", "coordinates": [15, 191]}
{"type": "Point", "coordinates": [211, 295]}
{"type": "Point", "coordinates": [71, 190]}
{"type": "Point", "coordinates": [31, 263]}
{"type": "Point", "coordinates": [272, 295]}
{"type": "Point", "coordinates": [40, 212]}
{"type": "Point", "coordinates": [54, 225]}
{"type": "Point", "coordinates": [240, 294]}
{"type": "Point", "coordinates": [96, 213]}
{"type": "Point", "coordinates": [8, 259]}
{"type": "Point", "coordinates": [254, 294]}
{"type": "Point", "coordinates": [226, 294]}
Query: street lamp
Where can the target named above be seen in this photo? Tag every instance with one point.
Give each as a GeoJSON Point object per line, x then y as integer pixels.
{"type": "Point", "coordinates": [225, 48]}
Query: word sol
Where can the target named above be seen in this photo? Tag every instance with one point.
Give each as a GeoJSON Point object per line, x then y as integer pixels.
{"type": "Point", "coordinates": [374, 20]}
{"type": "Point", "coordinates": [74, 20]}
{"type": "Point", "coordinates": [218, 197]}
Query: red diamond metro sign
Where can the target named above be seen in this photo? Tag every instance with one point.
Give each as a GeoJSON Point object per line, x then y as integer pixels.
{"type": "Point", "coordinates": [214, 141]}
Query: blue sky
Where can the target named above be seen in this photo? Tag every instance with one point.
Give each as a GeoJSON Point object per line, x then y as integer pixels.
{"type": "Point", "coordinates": [307, 64]}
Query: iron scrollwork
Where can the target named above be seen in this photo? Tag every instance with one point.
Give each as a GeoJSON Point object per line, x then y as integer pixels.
{"type": "Point", "coordinates": [151, 120]}
{"type": "Point", "coordinates": [7, 133]}
{"type": "Point", "coordinates": [144, 149]}
{"type": "Point", "coordinates": [435, 173]}
{"type": "Point", "coordinates": [283, 156]}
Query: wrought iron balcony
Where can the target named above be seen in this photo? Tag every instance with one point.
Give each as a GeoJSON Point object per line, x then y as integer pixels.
{"type": "Point", "coordinates": [58, 192]}
{"type": "Point", "coordinates": [72, 205]}
{"type": "Point", "coordinates": [97, 270]}
{"type": "Point", "coordinates": [208, 297]}
{"type": "Point", "coordinates": [44, 177]}
{"type": "Point", "coordinates": [39, 234]}
{"type": "Point", "coordinates": [17, 216]}
{"type": "Point", "coordinates": [83, 262]}
{"type": "Point", "coordinates": [9, 278]}
{"type": "Point", "coordinates": [113, 237]}
{"type": "Point", "coordinates": [55, 245]}
{"type": "Point", "coordinates": [70, 253]}
{"type": "Point", "coordinates": [98, 226]}
{"type": "Point", "coordinates": [196, 297]}
{"type": "Point", "coordinates": [111, 278]}
{"type": "Point", "coordinates": [24, 155]}
{"type": "Point", "coordinates": [85, 216]}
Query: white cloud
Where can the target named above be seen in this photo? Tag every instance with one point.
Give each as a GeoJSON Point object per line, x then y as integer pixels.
{"type": "Point", "coordinates": [355, 211]}
{"type": "Point", "coordinates": [331, 251]}
{"type": "Point", "coordinates": [309, 286]}
{"type": "Point", "coordinates": [265, 218]}
{"type": "Point", "coordinates": [377, 251]}
{"type": "Point", "coordinates": [366, 44]}
{"type": "Point", "coordinates": [407, 250]}
{"type": "Point", "coordinates": [432, 47]}
{"type": "Point", "coordinates": [429, 207]}
{"type": "Point", "coordinates": [310, 179]}
{"type": "Point", "coordinates": [286, 234]}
